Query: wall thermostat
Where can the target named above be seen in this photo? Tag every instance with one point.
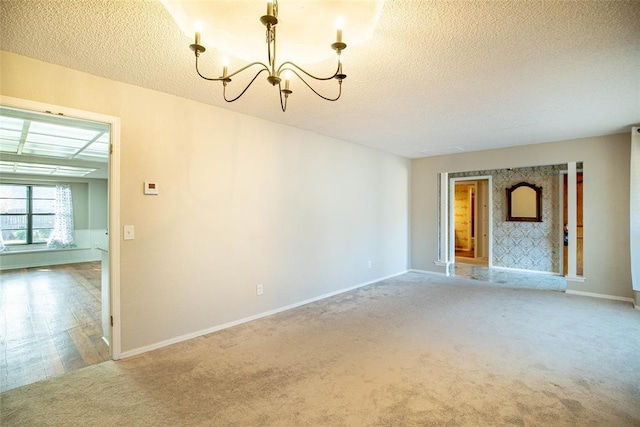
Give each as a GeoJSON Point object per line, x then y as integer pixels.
{"type": "Point", "coordinates": [151, 187]}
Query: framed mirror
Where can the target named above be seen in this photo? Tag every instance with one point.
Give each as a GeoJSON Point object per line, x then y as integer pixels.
{"type": "Point", "coordinates": [524, 203]}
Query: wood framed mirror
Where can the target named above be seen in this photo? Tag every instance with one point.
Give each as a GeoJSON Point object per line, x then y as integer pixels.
{"type": "Point", "coordinates": [524, 203]}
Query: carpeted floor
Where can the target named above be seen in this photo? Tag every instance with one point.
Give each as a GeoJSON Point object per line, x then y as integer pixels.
{"type": "Point", "coordinates": [417, 350]}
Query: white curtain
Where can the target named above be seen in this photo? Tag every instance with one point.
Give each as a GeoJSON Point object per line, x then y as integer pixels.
{"type": "Point", "coordinates": [62, 234]}
{"type": "Point", "coordinates": [3, 247]}
{"type": "Point", "coordinates": [635, 208]}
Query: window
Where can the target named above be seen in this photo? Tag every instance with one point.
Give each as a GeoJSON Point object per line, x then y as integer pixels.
{"type": "Point", "coordinates": [26, 213]}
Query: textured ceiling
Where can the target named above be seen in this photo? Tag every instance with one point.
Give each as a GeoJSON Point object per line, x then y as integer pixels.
{"type": "Point", "coordinates": [436, 76]}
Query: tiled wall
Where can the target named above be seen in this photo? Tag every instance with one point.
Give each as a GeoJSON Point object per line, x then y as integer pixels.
{"type": "Point", "coordinates": [525, 245]}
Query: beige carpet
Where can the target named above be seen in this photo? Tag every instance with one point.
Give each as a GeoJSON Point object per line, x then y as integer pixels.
{"type": "Point", "coordinates": [417, 350]}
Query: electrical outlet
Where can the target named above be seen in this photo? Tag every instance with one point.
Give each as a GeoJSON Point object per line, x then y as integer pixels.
{"type": "Point", "coordinates": [259, 289]}
{"type": "Point", "coordinates": [369, 263]}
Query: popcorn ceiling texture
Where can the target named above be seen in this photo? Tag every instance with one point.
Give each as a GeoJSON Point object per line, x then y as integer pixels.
{"type": "Point", "coordinates": [435, 75]}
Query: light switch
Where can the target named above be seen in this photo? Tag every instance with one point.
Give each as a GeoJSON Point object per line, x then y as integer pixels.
{"type": "Point", "coordinates": [129, 232]}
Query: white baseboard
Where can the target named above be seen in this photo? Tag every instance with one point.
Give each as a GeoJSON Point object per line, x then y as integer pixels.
{"type": "Point", "coordinates": [213, 329]}
{"type": "Point", "coordinates": [603, 296]}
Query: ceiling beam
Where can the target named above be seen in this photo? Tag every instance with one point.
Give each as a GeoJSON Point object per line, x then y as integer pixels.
{"type": "Point", "coordinates": [6, 157]}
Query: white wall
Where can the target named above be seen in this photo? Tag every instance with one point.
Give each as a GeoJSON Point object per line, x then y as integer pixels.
{"type": "Point", "coordinates": [606, 203]}
{"type": "Point", "coordinates": [242, 201]}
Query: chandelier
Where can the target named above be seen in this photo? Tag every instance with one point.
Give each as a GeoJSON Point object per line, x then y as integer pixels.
{"type": "Point", "coordinates": [276, 73]}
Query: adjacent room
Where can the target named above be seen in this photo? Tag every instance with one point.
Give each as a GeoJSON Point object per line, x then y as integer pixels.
{"type": "Point", "coordinates": [53, 234]}
{"type": "Point", "coordinates": [409, 213]}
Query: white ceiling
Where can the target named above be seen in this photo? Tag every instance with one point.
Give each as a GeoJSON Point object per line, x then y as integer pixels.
{"type": "Point", "coordinates": [436, 76]}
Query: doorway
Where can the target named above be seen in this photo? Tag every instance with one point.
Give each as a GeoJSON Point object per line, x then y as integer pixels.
{"type": "Point", "coordinates": [471, 220]}
{"type": "Point", "coordinates": [64, 145]}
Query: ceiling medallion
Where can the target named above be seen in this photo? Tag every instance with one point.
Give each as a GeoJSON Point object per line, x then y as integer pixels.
{"type": "Point", "coordinates": [276, 73]}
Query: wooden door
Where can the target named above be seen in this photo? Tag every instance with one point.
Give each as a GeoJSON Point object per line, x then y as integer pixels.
{"type": "Point", "coordinates": [579, 226]}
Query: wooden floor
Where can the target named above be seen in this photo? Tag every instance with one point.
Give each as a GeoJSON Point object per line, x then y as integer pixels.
{"type": "Point", "coordinates": [466, 254]}
{"type": "Point", "coordinates": [50, 322]}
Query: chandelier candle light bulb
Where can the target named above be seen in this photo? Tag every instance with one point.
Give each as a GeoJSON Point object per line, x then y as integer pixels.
{"type": "Point", "coordinates": [225, 66]}
{"type": "Point", "coordinates": [287, 78]}
{"type": "Point", "coordinates": [339, 27]}
{"type": "Point", "coordinates": [270, 7]}
{"type": "Point", "coordinates": [198, 31]}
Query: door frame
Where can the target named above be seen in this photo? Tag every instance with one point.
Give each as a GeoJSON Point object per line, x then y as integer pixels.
{"type": "Point", "coordinates": [113, 200]}
{"type": "Point", "coordinates": [451, 244]}
{"type": "Point", "coordinates": [473, 190]}
{"type": "Point", "coordinates": [561, 271]}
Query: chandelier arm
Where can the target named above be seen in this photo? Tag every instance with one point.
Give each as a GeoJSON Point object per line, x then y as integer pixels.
{"type": "Point", "coordinates": [315, 91]}
{"type": "Point", "coordinates": [282, 68]}
{"type": "Point", "coordinates": [224, 90]}
{"type": "Point", "coordinates": [223, 78]}
{"type": "Point", "coordinates": [211, 79]}
{"type": "Point", "coordinates": [283, 105]}
{"type": "Point", "coordinates": [265, 68]}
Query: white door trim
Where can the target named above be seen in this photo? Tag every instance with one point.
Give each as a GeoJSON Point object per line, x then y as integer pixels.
{"type": "Point", "coordinates": [114, 199]}
{"type": "Point", "coordinates": [572, 172]}
{"type": "Point", "coordinates": [451, 250]}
